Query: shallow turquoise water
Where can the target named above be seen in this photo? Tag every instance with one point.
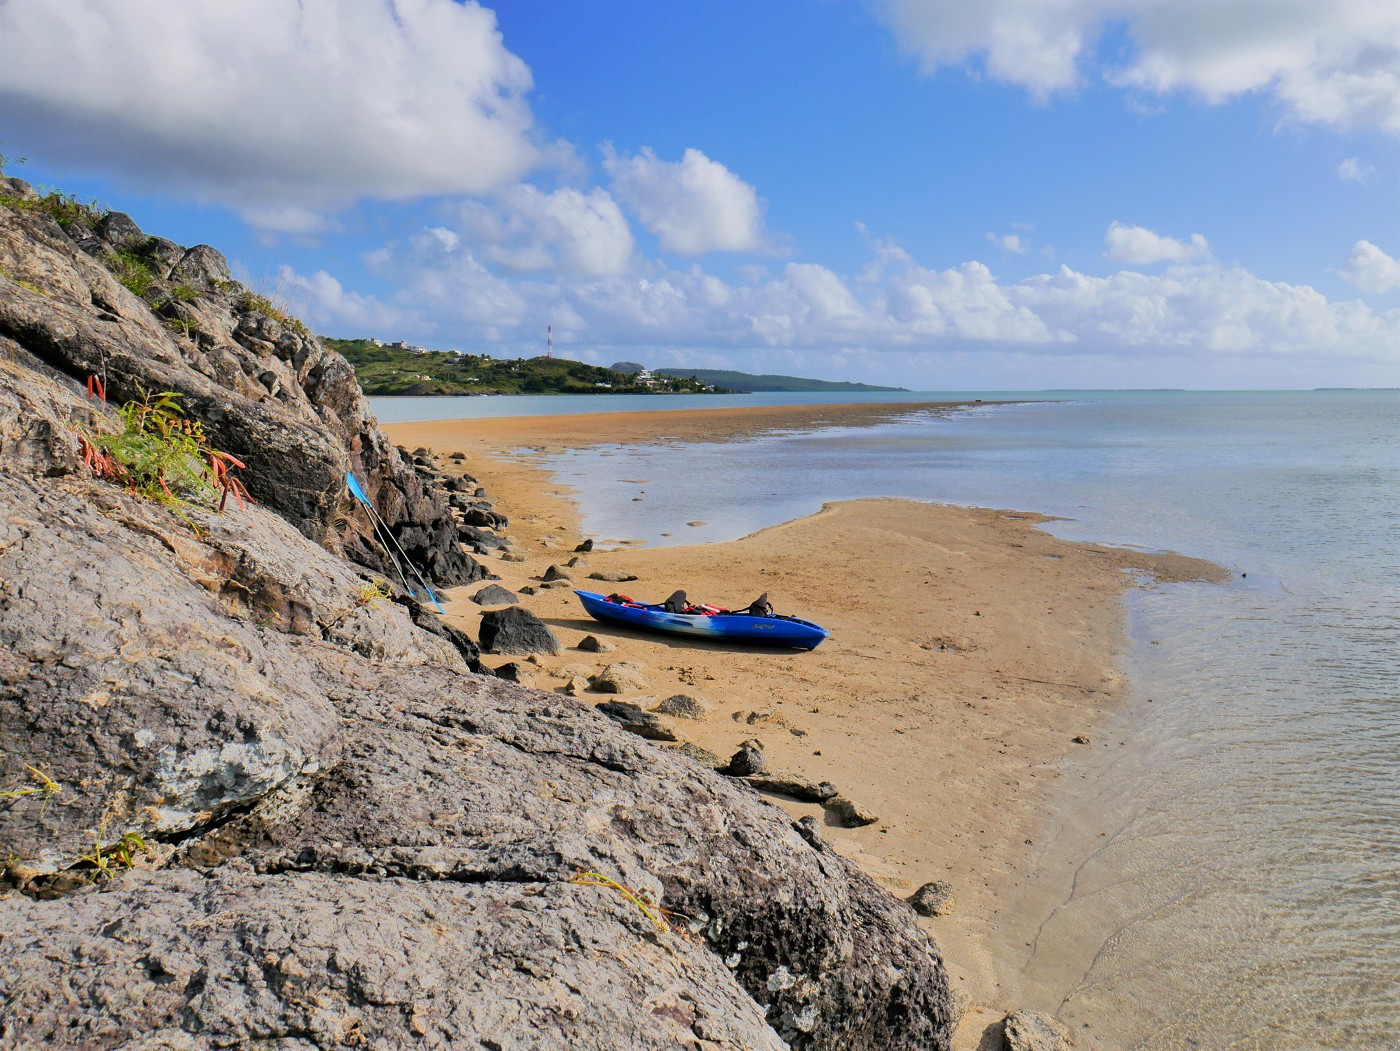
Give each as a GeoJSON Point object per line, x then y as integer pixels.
{"type": "Point", "coordinates": [1224, 867]}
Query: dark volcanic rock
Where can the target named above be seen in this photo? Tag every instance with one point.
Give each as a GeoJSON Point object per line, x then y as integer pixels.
{"type": "Point", "coordinates": [748, 760]}
{"type": "Point", "coordinates": [516, 631]}
{"type": "Point", "coordinates": [495, 595]}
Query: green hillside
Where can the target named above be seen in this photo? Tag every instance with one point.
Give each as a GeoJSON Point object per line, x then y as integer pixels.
{"type": "Point", "coordinates": [743, 381]}
{"type": "Point", "coordinates": [383, 370]}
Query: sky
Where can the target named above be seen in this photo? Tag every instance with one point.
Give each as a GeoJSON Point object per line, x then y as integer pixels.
{"type": "Point", "coordinates": [934, 194]}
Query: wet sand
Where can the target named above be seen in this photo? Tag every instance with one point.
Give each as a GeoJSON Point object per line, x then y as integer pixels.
{"type": "Point", "coordinates": [969, 649]}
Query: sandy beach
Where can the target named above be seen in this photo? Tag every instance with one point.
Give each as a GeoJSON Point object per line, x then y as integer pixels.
{"type": "Point", "coordinates": [969, 650]}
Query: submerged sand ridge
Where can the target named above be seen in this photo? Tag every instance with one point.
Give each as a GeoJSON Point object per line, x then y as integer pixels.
{"type": "Point", "coordinates": [969, 649]}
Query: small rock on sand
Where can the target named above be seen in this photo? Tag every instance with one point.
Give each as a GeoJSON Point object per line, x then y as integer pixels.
{"type": "Point", "coordinates": [516, 671]}
{"type": "Point", "coordinates": [612, 576]}
{"type": "Point", "coordinates": [593, 644]}
{"type": "Point", "coordinates": [748, 760]}
{"type": "Point", "coordinates": [495, 595]}
{"type": "Point", "coordinates": [932, 899]}
{"type": "Point", "coordinates": [586, 546]}
{"type": "Point", "coordinates": [555, 573]}
{"type": "Point", "coordinates": [509, 557]}
{"type": "Point", "coordinates": [695, 523]}
{"type": "Point", "coordinates": [619, 678]}
{"type": "Point", "coordinates": [847, 813]}
{"type": "Point", "coordinates": [795, 786]}
{"type": "Point", "coordinates": [1080, 739]}
{"type": "Point", "coordinates": [1033, 1031]}
{"type": "Point", "coordinates": [684, 706]}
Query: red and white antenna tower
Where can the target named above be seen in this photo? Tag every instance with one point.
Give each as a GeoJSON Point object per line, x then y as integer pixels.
{"type": "Point", "coordinates": [549, 341]}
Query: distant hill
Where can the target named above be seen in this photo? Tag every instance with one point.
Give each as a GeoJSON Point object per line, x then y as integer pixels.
{"type": "Point", "coordinates": [743, 381]}
{"type": "Point", "coordinates": [383, 370]}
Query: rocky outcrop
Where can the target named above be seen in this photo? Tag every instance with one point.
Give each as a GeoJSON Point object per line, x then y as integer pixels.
{"type": "Point", "coordinates": [246, 800]}
{"type": "Point", "coordinates": [264, 388]}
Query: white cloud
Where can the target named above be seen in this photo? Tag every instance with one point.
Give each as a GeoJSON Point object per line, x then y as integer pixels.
{"type": "Point", "coordinates": [1138, 246]}
{"type": "Point", "coordinates": [567, 231]}
{"type": "Point", "coordinates": [1333, 62]}
{"type": "Point", "coordinates": [1353, 169]}
{"type": "Point", "coordinates": [320, 297]}
{"type": "Point", "coordinates": [283, 108]}
{"type": "Point", "coordinates": [1013, 243]}
{"type": "Point", "coordinates": [1371, 270]}
{"type": "Point", "coordinates": [893, 306]}
{"type": "Point", "coordinates": [694, 205]}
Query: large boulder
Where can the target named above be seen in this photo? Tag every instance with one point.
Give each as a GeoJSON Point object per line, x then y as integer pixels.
{"type": "Point", "coordinates": [264, 388]}
{"type": "Point", "coordinates": [514, 631]}
{"type": "Point", "coordinates": [324, 961]}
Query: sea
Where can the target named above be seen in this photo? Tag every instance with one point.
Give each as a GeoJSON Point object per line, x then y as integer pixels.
{"type": "Point", "coordinates": [1223, 870]}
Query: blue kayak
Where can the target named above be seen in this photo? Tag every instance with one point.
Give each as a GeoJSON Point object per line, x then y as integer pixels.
{"type": "Point", "coordinates": [728, 627]}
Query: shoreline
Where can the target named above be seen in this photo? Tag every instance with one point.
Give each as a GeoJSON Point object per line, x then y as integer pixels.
{"type": "Point", "coordinates": [969, 649]}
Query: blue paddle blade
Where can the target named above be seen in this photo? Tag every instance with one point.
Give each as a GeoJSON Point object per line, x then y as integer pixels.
{"type": "Point", "coordinates": [356, 490]}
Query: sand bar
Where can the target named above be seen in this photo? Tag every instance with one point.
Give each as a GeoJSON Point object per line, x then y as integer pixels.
{"type": "Point", "coordinates": [969, 648]}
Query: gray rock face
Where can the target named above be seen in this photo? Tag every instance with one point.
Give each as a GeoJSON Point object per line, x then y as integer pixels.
{"type": "Point", "coordinates": [351, 839]}
{"type": "Point", "coordinates": [516, 632]}
{"type": "Point", "coordinates": [389, 963]}
{"type": "Point", "coordinates": [265, 390]}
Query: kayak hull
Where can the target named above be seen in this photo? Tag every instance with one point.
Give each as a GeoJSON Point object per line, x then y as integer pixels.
{"type": "Point", "coordinates": [788, 632]}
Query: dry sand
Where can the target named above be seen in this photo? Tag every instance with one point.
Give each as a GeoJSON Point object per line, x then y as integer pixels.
{"type": "Point", "coordinates": [968, 649]}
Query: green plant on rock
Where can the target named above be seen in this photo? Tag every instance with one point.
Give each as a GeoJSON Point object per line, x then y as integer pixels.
{"type": "Point", "coordinates": [162, 455]}
{"type": "Point", "coordinates": [257, 304]}
{"type": "Point", "coordinates": [132, 271]}
{"type": "Point", "coordinates": [183, 325]}
{"type": "Point", "coordinates": [638, 899]}
{"type": "Point", "coordinates": [369, 593]}
{"type": "Point", "coordinates": [43, 785]}
{"type": "Point", "coordinates": [107, 861]}
{"type": "Point", "coordinates": [184, 293]}
{"type": "Point", "coordinates": [22, 282]}
{"type": "Point", "coordinates": [64, 208]}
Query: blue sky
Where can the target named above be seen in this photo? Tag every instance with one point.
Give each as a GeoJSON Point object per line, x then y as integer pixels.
{"type": "Point", "coordinates": [940, 195]}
